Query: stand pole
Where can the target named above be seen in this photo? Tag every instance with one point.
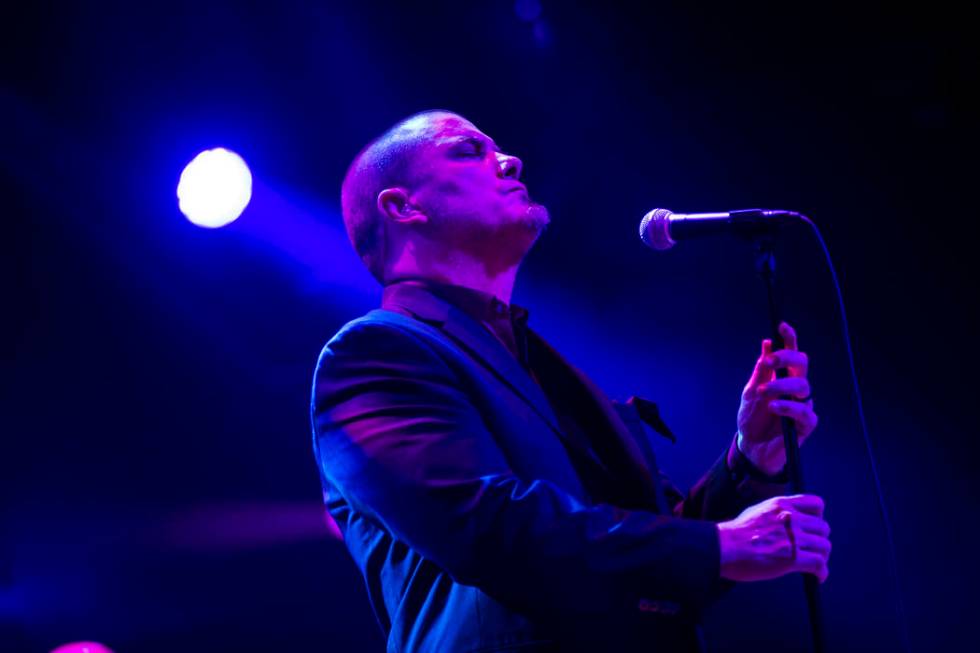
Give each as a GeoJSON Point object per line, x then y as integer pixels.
{"type": "Point", "coordinates": [766, 266]}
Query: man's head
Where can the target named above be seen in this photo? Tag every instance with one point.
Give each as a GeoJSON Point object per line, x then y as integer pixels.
{"type": "Point", "coordinates": [434, 185]}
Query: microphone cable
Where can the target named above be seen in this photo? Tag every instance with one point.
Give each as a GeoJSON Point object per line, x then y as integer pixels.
{"type": "Point", "coordinates": [882, 508]}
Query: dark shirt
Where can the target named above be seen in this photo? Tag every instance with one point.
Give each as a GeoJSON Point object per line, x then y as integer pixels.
{"type": "Point", "coordinates": [507, 322]}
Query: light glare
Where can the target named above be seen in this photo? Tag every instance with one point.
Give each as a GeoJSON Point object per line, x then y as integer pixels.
{"type": "Point", "coordinates": [214, 188]}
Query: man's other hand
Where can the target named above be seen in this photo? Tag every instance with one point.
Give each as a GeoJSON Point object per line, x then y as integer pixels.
{"type": "Point", "coordinates": [775, 537]}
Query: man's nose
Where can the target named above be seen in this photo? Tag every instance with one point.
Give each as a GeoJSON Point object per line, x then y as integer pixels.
{"type": "Point", "coordinates": [510, 166]}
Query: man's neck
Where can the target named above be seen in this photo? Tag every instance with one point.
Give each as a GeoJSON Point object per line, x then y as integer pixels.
{"type": "Point", "coordinates": [458, 269]}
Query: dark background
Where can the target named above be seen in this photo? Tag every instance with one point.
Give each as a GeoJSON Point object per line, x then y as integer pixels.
{"type": "Point", "coordinates": [159, 490]}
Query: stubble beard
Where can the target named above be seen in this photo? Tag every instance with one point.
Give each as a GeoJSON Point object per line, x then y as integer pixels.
{"type": "Point", "coordinates": [536, 218]}
{"type": "Point", "coordinates": [510, 243]}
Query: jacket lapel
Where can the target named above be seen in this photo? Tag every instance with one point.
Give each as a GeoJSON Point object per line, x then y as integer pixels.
{"type": "Point", "coordinates": [638, 464]}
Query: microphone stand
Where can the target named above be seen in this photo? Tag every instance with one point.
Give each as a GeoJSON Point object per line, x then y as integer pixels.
{"type": "Point", "coordinates": [766, 267]}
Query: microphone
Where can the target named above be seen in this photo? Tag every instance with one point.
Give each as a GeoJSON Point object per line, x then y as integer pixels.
{"type": "Point", "coordinates": [660, 229]}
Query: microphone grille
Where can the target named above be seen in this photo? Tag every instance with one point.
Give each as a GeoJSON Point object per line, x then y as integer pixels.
{"type": "Point", "coordinates": [655, 229]}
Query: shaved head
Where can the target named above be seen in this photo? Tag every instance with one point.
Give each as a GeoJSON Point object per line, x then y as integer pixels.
{"type": "Point", "coordinates": [434, 191]}
{"type": "Point", "coordinates": [385, 162]}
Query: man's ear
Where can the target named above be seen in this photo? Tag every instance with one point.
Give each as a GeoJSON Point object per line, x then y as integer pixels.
{"type": "Point", "coordinates": [395, 204]}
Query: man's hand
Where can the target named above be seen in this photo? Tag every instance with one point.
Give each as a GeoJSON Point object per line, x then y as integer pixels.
{"type": "Point", "coordinates": [776, 537]}
{"type": "Point", "coordinates": [760, 431]}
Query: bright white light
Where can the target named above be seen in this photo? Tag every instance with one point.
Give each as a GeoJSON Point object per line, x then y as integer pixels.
{"type": "Point", "coordinates": [214, 188]}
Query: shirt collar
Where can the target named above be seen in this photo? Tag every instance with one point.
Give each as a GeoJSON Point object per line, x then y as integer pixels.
{"type": "Point", "coordinates": [479, 305]}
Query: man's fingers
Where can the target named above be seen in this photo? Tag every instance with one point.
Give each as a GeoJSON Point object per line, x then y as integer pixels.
{"type": "Point", "coordinates": [769, 361]}
{"type": "Point", "coordinates": [813, 544]}
{"type": "Point", "coordinates": [789, 335]}
{"type": "Point", "coordinates": [801, 413]}
{"type": "Point", "coordinates": [796, 386]}
{"type": "Point", "coordinates": [809, 504]}
{"type": "Point", "coordinates": [812, 525]}
{"type": "Point", "coordinates": [812, 563]}
{"type": "Point", "coordinates": [762, 372]}
{"type": "Point", "coordinates": [796, 362]}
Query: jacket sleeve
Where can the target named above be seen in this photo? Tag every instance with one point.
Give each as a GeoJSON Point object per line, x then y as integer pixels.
{"type": "Point", "coordinates": [718, 495]}
{"type": "Point", "coordinates": [398, 437]}
{"type": "Point", "coordinates": [721, 493]}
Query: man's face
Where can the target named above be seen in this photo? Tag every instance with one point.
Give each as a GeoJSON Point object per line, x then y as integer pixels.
{"type": "Point", "coordinates": [469, 189]}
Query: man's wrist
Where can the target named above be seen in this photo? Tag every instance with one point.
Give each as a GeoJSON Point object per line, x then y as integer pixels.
{"type": "Point", "coordinates": [741, 465]}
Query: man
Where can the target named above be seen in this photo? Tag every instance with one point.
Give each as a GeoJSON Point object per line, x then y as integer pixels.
{"type": "Point", "coordinates": [493, 498]}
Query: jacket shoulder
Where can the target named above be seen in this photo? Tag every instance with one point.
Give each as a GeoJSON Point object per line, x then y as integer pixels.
{"type": "Point", "coordinates": [382, 333]}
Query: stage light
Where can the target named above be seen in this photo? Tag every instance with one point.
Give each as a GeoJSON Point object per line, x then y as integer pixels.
{"type": "Point", "coordinates": [82, 647]}
{"type": "Point", "coordinates": [214, 188]}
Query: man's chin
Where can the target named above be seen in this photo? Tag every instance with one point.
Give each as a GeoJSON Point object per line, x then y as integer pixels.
{"type": "Point", "coordinates": [536, 216]}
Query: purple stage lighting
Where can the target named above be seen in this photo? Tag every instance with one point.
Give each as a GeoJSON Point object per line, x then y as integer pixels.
{"type": "Point", "coordinates": [214, 188]}
{"type": "Point", "coordinates": [82, 647]}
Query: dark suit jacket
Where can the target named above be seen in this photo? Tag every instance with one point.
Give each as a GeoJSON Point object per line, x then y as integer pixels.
{"type": "Point", "coordinates": [447, 472]}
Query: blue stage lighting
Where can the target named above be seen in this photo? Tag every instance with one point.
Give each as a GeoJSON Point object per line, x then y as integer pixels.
{"type": "Point", "coordinates": [214, 188]}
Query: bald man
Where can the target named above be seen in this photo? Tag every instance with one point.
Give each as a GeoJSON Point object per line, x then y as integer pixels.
{"type": "Point", "coordinates": [492, 496]}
